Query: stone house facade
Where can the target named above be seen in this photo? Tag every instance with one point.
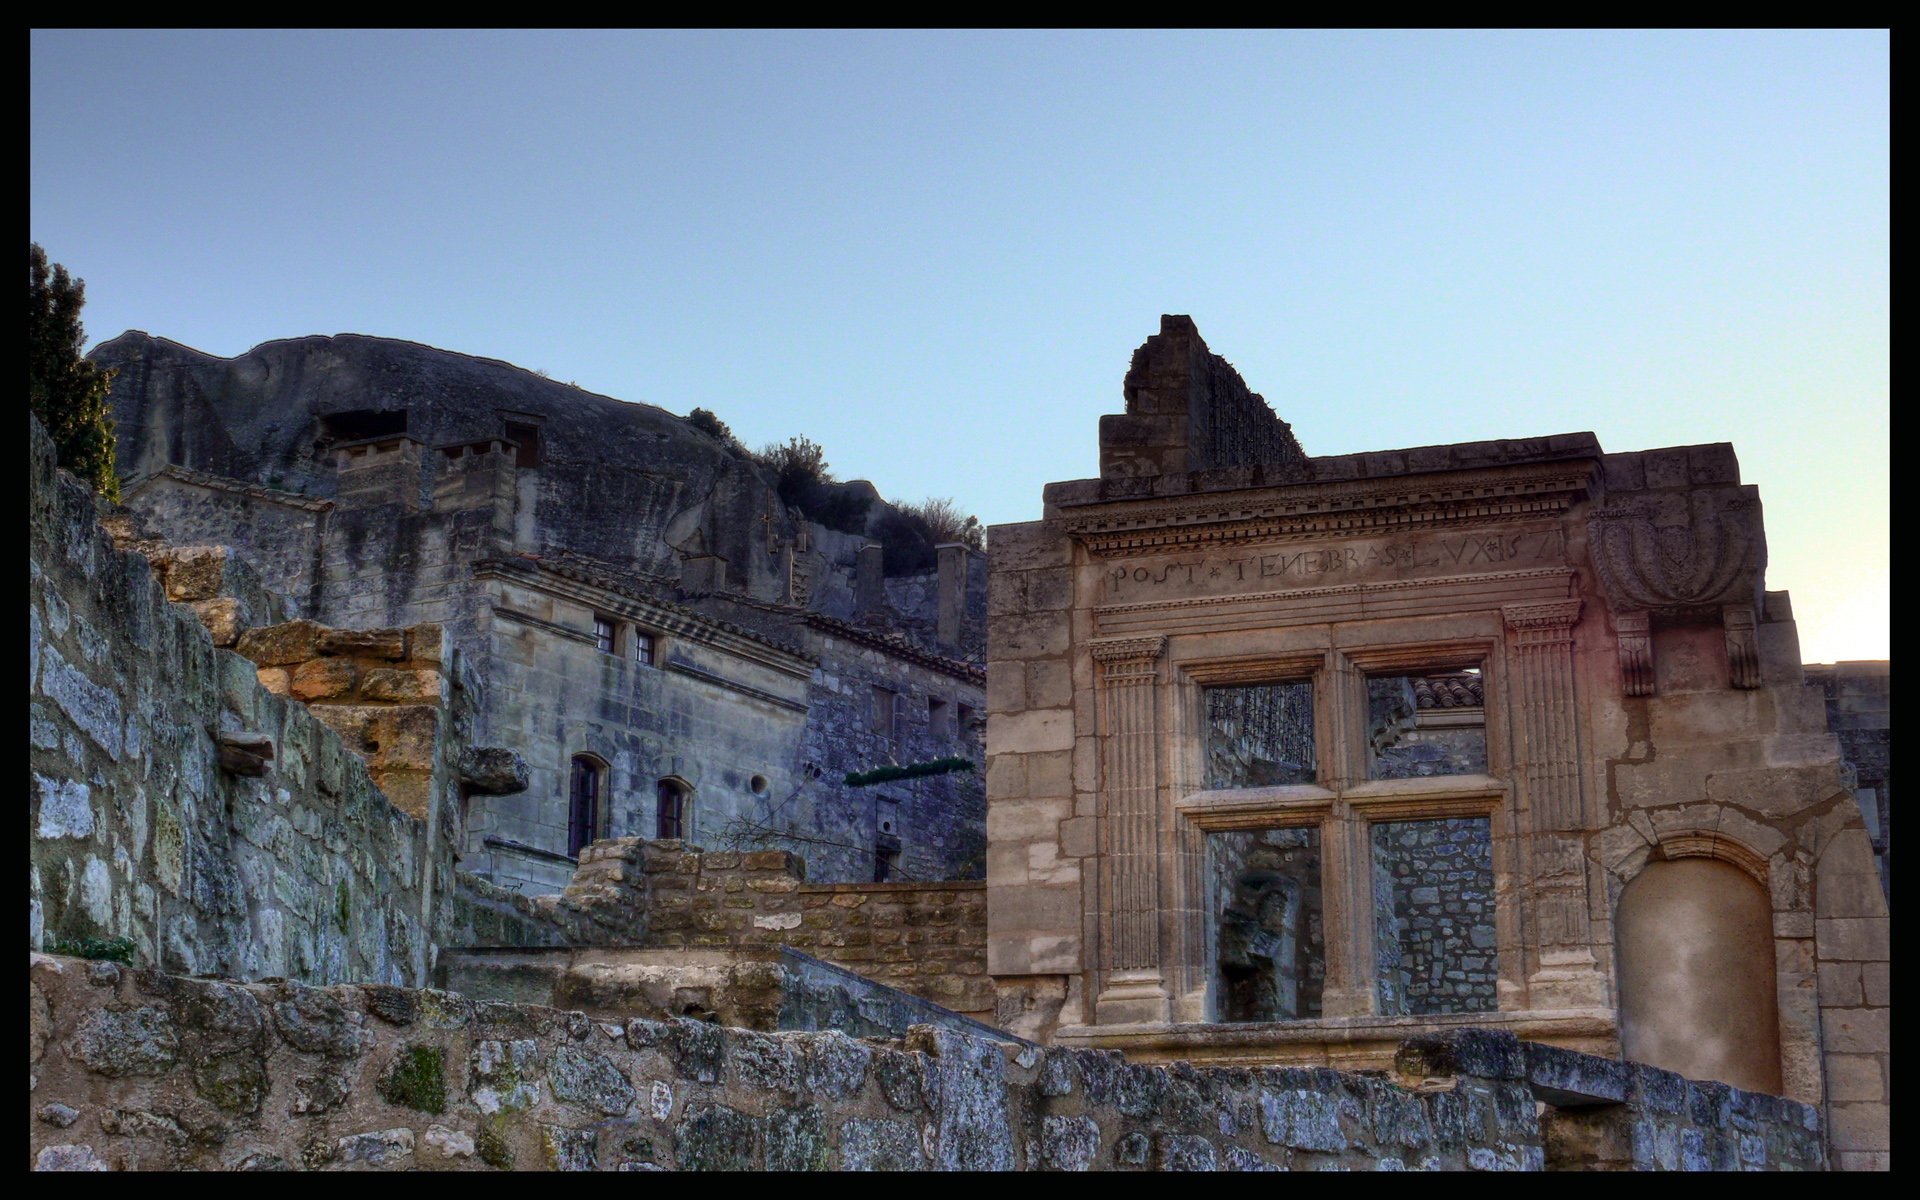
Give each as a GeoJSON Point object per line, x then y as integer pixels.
{"type": "Point", "coordinates": [673, 651]}
{"type": "Point", "coordinates": [1223, 825]}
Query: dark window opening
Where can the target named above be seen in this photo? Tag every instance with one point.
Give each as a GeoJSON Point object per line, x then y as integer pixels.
{"type": "Point", "coordinates": [603, 634]}
{"type": "Point", "coordinates": [1260, 736]}
{"type": "Point", "coordinates": [885, 708]}
{"type": "Point", "coordinates": [643, 649]}
{"type": "Point", "coordinates": [360, 424]}
{"type": "Point", "coordinates": [583, 809]}
{"type": "Point", "coordinates": [937, 718]}
{"type": "Point", "coordinates": [886, 859]}
{"type": "Point", "coordinates": [965, 720]}
{"type": "Point", "coordinates": [1268, 935]}
{"type": "Point", "coordinates": [672, 811]}
{"type": "Point", "coordinates": [526, 440]}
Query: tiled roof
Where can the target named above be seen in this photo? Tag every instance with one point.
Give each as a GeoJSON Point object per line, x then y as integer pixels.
{"type": "Point", "coordinates": [1462, 689]}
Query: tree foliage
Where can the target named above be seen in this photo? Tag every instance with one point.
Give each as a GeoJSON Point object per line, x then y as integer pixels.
{"type": "Point", "coordinates": [64, 390]}
{"type": "Point", "coordinates": [707, 422]}
{"type": "Point", "coordinates": [946, 523]}
{"type": "Point", "coordinates": [798, 467]}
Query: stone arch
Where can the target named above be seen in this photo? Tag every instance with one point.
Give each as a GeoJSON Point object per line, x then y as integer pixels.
{"type": "Point", "coordinates": [1697, 964]}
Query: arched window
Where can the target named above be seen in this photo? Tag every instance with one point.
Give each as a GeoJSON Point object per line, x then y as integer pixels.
{"type": "Point", "coordinates": [585, 813]}
{"type": "Point", "coordinates": [672, 810]}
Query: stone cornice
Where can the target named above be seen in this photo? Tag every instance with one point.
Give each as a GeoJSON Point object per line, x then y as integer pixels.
{"type": "Point", "coordinates": [1341, 507]}
{"type": "Point", "coordinates": [1554, 614]}
{"type": "Point", "coordinates": [656, 615]}
{"type": "Point", "coordinates": [1126, 649]}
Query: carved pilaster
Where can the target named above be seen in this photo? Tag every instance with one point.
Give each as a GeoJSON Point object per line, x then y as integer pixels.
{"type": "Point", "coordinates": [1743, 645]}
{"type": "Point", "coordinates": [1541, 636]}
{"type": "Point", "coordinates": [1545, 709]}
{"type": "Point", "coordinates": [1129, 671]}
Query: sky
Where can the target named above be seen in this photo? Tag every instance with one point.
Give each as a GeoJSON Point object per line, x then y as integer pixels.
{"type": "Point", "coordinates": [934, 252]}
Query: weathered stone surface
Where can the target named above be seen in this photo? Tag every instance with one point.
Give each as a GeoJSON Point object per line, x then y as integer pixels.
{"type": "Point", "coordinates": [493, 770]}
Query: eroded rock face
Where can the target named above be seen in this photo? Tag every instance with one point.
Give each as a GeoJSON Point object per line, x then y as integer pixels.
{"type": "Point", "coordinates": [621, 481]}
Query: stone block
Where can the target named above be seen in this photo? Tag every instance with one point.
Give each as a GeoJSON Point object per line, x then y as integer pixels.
{"type": "Point", "coordinates": [1049, 684]}
{"type": "Point", "coordinates": [194, 572]}
{"type": "Point", "coordinates": [223, 619]}
{"type": "Point", "coordinates": [1031, 732]}
{"type": "Point", "coordinates": [322, 679]}
{"type": "Point", "coordinates": [1856, 1031]}
{"type": "Point", "coordinates": [1860, 1126]}
{"type": "Point", "coordinates": [280, 645]}
{"type": "Point", "coordinates": [390, 644]}
{"type": "Point", "coordinates": [1853, 1077]}
{"type": "Point", "coordinates": [1854, 939]}
{"type": "Point", "coordinates": [275, 680]}
{"type": "Point", "coordinates": [401, 684]}
{"type": "Point", "coordinates": [426, 644]}
{"type": "Point", "coordinates": [1029, 635]}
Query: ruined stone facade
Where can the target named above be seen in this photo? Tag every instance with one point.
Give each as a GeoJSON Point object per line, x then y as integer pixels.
{"type": "Point", "coordinates": [1547, 726]}
{"type": "Point", "coordinates": [671, 649]}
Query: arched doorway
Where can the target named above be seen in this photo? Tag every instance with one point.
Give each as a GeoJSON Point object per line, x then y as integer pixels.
{"type": "Point", "coordinates": [1697, 984]}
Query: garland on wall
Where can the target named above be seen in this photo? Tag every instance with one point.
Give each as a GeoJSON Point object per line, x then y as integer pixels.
{"type": "Point", "coordinates": [937, 766]}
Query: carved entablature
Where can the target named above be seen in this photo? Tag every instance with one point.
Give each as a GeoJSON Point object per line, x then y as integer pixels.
{"type": "Point", "coordinates": [1681, 555]}
{"type": "Point", "coordinates": [1334, 508]}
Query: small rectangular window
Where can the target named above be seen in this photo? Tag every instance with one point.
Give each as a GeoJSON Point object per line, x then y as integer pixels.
{"type": "Point", "coordinates": [1260, 736]}
{"type": "Point", "coordinates": [603, 634]}
{"type": "Point", "coordinates": [937, 718]}
{"type": "Point", "coordinates": [643, 649]}
{"type": "Point", "coordinates": [883, 711]}
{"type": "Point", "coordinates": [964, 720]}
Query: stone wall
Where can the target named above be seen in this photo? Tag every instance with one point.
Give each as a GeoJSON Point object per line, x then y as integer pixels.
{"type": "Point", "coordinates": [179, 804]}
{"type": "Point", "coordinates": [139, 1070]}
{"type": "Point", "coordinates": [1434, 927]}
{"type": "Point", "coordinates": [1189, 410]}
{"type": "Point", "coordinates": [284, 530]}
{"type": "Point", "coordinates": [927, 940]}
{"type": "Point", "coordinates": [1859, 700]}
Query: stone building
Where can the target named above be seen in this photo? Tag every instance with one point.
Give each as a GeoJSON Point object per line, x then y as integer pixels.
{"type": "Point", "coordinates": [1290, 756]}
{"type": "Point", "coordinates": [674, 651]}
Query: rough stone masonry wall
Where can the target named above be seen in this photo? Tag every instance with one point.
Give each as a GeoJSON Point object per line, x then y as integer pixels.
{"type": "Point", "coordinates": [139, 1070]}
{"type": "Point", "coordinates": [928, 940]}
{"type": "Point", "coordinates": [1859, 700]}
{"type": "Point", "coordinates": [138, 829]}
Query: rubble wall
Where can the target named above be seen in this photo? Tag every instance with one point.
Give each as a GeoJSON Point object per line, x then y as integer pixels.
{"type": "Point", "coordinates": [298, 866]}
{"type": "Point", "coordinates": [139, 1070]}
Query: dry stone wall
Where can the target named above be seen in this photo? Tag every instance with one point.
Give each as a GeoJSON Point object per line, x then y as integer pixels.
{"type": "Point", "coordinates": [140, 1070]}
{"type": "Point", "coordinates": [177, 803]}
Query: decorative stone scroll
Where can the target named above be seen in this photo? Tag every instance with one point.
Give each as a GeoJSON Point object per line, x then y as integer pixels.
{"type": "Point", "coordinates": [1129, 860]}
{"type": "Point", "coordinates": [1678, 554]}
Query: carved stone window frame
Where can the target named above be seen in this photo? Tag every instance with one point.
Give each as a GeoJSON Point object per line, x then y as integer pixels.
{"type": "Point", "coordinates": [1343, 803]}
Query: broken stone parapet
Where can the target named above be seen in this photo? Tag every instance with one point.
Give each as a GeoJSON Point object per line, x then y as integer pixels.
{"type": "Point", "coordinates": [276, 1075]}
{"type": "Point", "coordinates": [383, 690]}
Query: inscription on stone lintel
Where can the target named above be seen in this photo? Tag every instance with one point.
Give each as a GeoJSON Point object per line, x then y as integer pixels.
{"type": "Point", "coordinates": [1327, 565]}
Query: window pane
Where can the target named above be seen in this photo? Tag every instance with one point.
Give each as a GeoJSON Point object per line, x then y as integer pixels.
{"type": "Point", "coordinates": [1433, 916]}
{"type": "Point", "coordinates": [1260, 736]}
{"type": "Point", "coordinates": [1269, 948]}
{"type": "Point", "coordinates": [1433, 723]}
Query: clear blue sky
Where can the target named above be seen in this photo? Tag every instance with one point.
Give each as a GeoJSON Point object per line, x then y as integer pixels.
{"type": "Point", "coordinates": [934, 252]}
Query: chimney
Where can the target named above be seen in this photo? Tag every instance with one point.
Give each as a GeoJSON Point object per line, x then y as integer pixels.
{"type": "Point", "coordinates": [869, 585]}
{"type": "Point", "coordinates": [953, 560]}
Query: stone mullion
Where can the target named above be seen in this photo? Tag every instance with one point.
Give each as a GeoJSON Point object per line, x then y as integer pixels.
{"type": "Point", "coordinates": [1130, 825]}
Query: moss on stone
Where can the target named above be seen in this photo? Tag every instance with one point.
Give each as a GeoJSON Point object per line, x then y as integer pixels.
{"type": "Point", "coordinates": [490, 1142]}
{"type": "Point", "coordinates": [418, 1080]}
{"type": "Point", "coordinates": [118, 949]}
